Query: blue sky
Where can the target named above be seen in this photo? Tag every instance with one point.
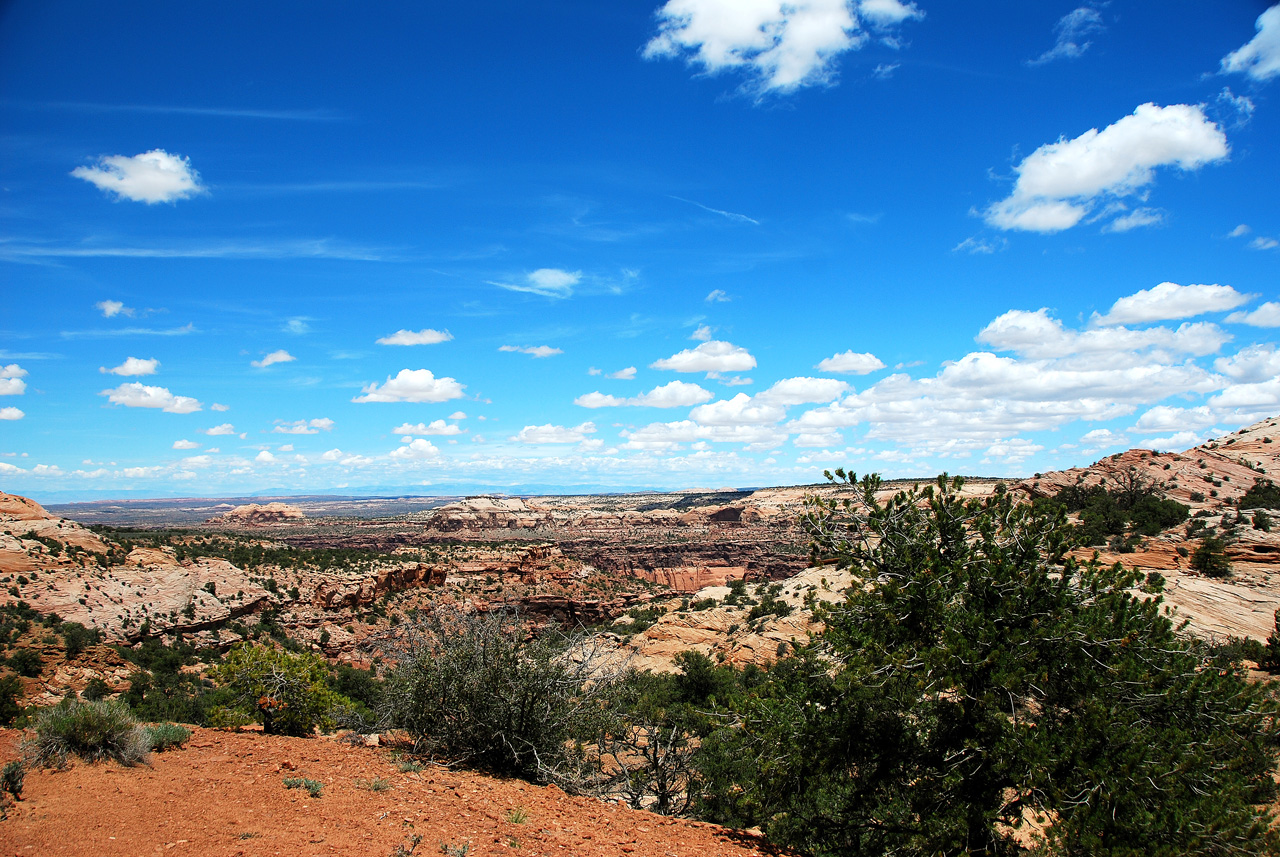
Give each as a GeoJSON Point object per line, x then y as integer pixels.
{"type": "Point", "coordinates": [291, 247]}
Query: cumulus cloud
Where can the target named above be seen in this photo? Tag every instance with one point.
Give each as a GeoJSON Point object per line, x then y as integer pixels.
{"type": "Point", "coordinates": [415, 450]}
{"type": "Point", "coordinates": [11, 414]}
{"type": "Point", "coordinates": [627, 374]}
{"type": "Point", "coordinates": [11, 383]}
{"type": "Point", "coordinates": [304, 426]}
{"type": "Point", "coordinates": [1179, 442]}
{"type": "Point", "coordinates": [151, 177]}
{"type": "Point", "coordinates": [1260, 58]}
{"type": "Point", "coordinates": [802, 391]}
{"type": "Point", "coordinates": [1267, 315]}
{"type": "Point", "coordinates": [458, 415]}
{"type": "Point", "coordinates": [739, 411]}
{"type": "Point", "coordinates": [217, 407]}
{"type": "Point", "coordinates": [711, 356]}
{"type": "Point", "coordinates": [1059, 183]}
{"type": "Point", "coordinates": [548, 282]}
{"type": "Point", "coordinates": [436, 427]}
{"type": "Point", "coordinates": [1038, 335]}
{"type": "Point", "coordinates": [133, 366]}
{"type": "Point", "coordinates": [1071, 31]}
{"type": "Point", "coordinates": [1099, 439]}
{"type": "Point", "coordinates": [273, 358]}
{"type": "Point", "coordinates": [1167, 418]}
{"type": "Point", "coordinates": [412, 385]}
{"type": "Point", "coordinates": [554, 434]}
{"type": "Point", "coordinates": [781, 46]}
{"type": "Point", "coordinates": [225, 428]}
{"type": "Point", "coordinates": [334, 454]}
{"type": "Point", "coordinates": [531, 350]}
{"type": "Point", "coordinates": [427, 336]}
{"type": "Point", "coordinates": [676, 394]}
{"type": "Point", "coordinates": [702, 334]}
{"type": "Point", "coordinates": [1170, 300]}
{"type": "Point", "coordinates": [1251, 364]}
{"type": "Point", "coordinates": [135, 395]}
{"type": "Point", "coordinates": [185, 444]}
{"type": "Point", "coordinates": [265, 457]}
{"type": "Point", "coordinates": [851, 363]}
{"type": "Point", "coordinates": [109, 309]}
{"type": "Point", "coordinates": [667, 436]}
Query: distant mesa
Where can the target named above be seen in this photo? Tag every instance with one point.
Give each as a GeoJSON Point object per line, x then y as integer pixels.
{"type": "Point", "coordinates": [255, 515]}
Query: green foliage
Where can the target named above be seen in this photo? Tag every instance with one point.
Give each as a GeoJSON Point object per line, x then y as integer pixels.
{"type": "Point", "coordinates": [27, 663]}
{"type": "Point", "coordinates": [10, 693]}
{"type": "Point", "coordinates": [95, 688]}
{"type": "Point", "coordinates": [1270, 659]}
{"type": "Point", "coordinates": [1263, 494]}
{"type": "Point", "coordinates": [362, 687]}
{"type": "Point", "coordinates": [1262, 521]}
{"type": "Point", "coordinates": [166, 736]}
{"type": "Point", "coordinates": [478, 689]}
{"type": "Point", "coordinates": [378, 784]}
{"type": "Point", "coordinates": [1132, 507]}
{"type": "Point", "coordinates": [93, 731]}
{"type": "Point", "coordinates": [981, 678]}
{"type": "Point", "coordinates": [288, 693]}
{"type": "Point", "coordinates": [162, 691]}
{"type": "Point", "coordinates": [1211, 558]}
{"type": "Point", "coordinates": [313, 787]}
{"type": "Point", "coordinates": [11, 778]}
{"type": "Point", "coordinates": [15, 620]}
{"type": "Point", "coordinates": [77, 637]}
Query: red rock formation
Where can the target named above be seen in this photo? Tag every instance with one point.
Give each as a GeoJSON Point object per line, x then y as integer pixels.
{"type": "Point", "coordinates": [254, 515]}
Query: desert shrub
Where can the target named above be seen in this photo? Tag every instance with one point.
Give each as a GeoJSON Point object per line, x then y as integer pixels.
{"type": "Point", "coordinates": [10, 693]}
{"type": "Point", "coordinates": [77, 637]}
{"type": "Point", "coordinates": [360, 686]}
{"type": "Point", "coordinates": [1269, 659]}
{"type": "Point", "coordinates": [1262, 521]}
{"type": "Point", "coordinates": [1211, 558]}
{"type": "Point", "coordinates": [982, 673]}
{"type": "Point", "coordinates": [162, 691]}
{"type": "Point", "coordinates": [1263, 494]}
{"type": "Point", "coordinates": [27, 663]}
{"type": "Point", "coordinates": [11, 778]}
{"type": "Point", "coordinates": [478, 689]}
{"type": "Point", "coordinates": [95, 688]}
{"type": "Point", "coordinates": [166, 736]}
{"type": "Point", "coordinates": [93, 731]}
{"type": "Point", "coordinates": [287, 692]}
{"type": "Point", "coordinates": [313, 787]}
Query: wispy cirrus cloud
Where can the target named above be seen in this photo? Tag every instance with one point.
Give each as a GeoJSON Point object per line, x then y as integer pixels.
{"type": "Point", "coordinates": [728, 215]}
{"type": "Point", "coordinates": [1071, 32]}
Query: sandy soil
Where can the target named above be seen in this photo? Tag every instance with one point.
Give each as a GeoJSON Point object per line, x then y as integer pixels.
{"type": "Point", "coordinates": [223, 795]}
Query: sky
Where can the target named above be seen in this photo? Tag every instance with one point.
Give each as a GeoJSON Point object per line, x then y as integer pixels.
{"type": "Point", "coordinates": [576, 246]}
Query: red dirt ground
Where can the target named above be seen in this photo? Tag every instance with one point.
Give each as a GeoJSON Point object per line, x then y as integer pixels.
{"type": "Point", "coordinates": [223, 796]}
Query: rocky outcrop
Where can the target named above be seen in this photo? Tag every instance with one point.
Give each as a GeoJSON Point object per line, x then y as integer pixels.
{"type": "Point", "coordinates": [255, 515]}
{"type": "Point", "coordinates": [341, 592]}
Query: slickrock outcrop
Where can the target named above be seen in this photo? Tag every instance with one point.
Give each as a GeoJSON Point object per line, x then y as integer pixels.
{"type": "Point", "coordinates": [339, 591]}
{"type": "Point", "coordinates": [255, 515]}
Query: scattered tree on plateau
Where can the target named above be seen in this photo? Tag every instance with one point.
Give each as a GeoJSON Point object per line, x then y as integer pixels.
{"type": "Point", "coordinates": [980, 692]}
{"type": "Point", "coordinates": [287, 693]}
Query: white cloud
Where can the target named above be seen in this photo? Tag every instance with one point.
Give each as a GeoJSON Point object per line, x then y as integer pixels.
{"type": "Point", "coordinates": [717, 296]}
{"type": "Point", "coordinates": [676, 394]}
{"type": "Point", "coordinates": [1014, 450]}
{"type": "Point", "coordinates": [416, 449]}
{"type": "Point", "coordinates": [1059, 183]}
{"type": "Point", "coordinates": [780, 45]}
{"type": "Point", "coordinates": [1103, 439]}
{"type": "Point", "coordinates": [1267, 315]}
{"type": "Point", "coordinates": [1263, 242]}
{"type": "Point", "coordinates": [217, 407]}
{"type": "Point", "coordinates": [135, 395]}
{"type": "Point", "coordinates": [427, 336]}
{"type": "Point", "coordinates": [304, 426]}
{"type": "Point", "coordinates": [1239, 231]}
{"type": "Point", "coordinates": [1251, 364]}
{"type": "Point", "coordinates": [627, 374]}
{"type": "Point", "coordinates": [802, 391]}
{"type": "Point", "coordinates": [11, 414]}
{"type": "Point", "coordinates": [702, 334]}
{"type": "Point", "coordinates": [851, 363]}
{"type": "Point", "coordinates": [265, 457]}
{"type": "Point", "coordinates": [666, 436]}
{"type": "Point", "coordinates": [1135, 219]}
{"type": "Point", "coordinates": [1260, 58]}
{"type": "Point", "coordinates": [1179, 442]}
{"type": "Point", "coordinates": [185, 444]}
{"type": "Point", "coordinates": [548, 282]}
{"type": "Point", "coordinates": [133, 366]}
{"type": "Point", "coordinates": [1036, 334]}
{"type": "Point", "coordinates": [711, 356]}
{"type": "Point", "coordinates": [11, 383]}
{"type": "Point", "coordinates": [274, 357]}
{"type": "Point", "coordinates": [532, 351]}
{"type": "Point", "coordinates": [297, 325]}
{"type": "Point", "coordinates": [412, 385]}
{"type": "Point", "coordinates": [151, 177]}
{"type": "Point", "coordinates": [1170, 300]}
{"type": "Point", "coordinates": [332, 455]}
{"type": "Point", "coordinates": [225, 428]}
{"type": "Point", "coordinates": [741, 410]}
{"type": "Point", "coordinates": [554, 434]}
{"type": "Point", "coordinates": [437, 427]}
{"type": "Point", "coordinates": [1167, 418]}
{"type": "Point", "coordinates": [458, 415]}
{"type": "Point", "coordinates": [111, 308]}
{"type": "Point", "coordinates": [1071, 30]}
